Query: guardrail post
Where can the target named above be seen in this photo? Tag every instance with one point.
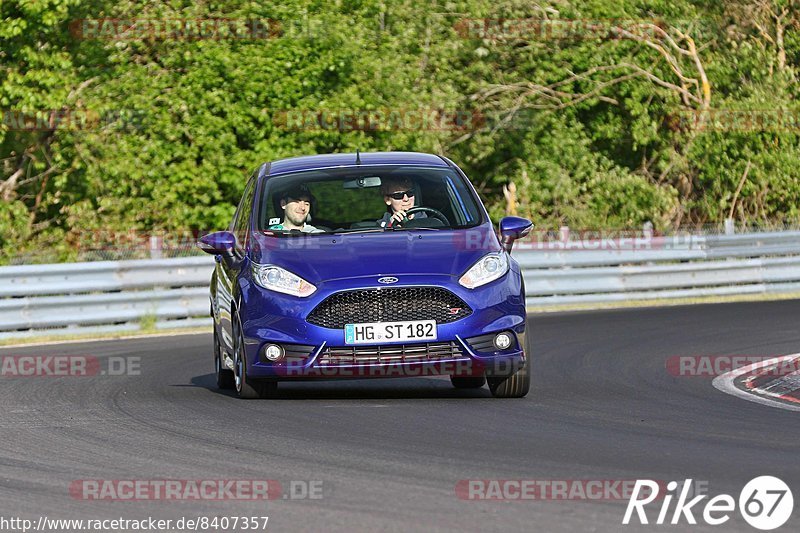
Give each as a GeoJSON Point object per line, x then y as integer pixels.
{"type": "Point", "coordinates": [730, 227]}
{"type": "Point", "coordinates": [155, 247]}
{"type": "Point", "coordinates": [563, 234]}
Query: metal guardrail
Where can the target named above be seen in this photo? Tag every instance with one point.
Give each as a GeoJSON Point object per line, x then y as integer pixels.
{"type": "Point", "coordinates": [569, 272]}
{"type": "Point", "coordinates": [168, 293]}
{"type": "Point", "coordinates": [104, 296]}
{"type": "Point", "coordinates": [103, 276]}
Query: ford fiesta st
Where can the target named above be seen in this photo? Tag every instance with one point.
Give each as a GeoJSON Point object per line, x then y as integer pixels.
{"type": "Point", "coordinates": [364, 266]}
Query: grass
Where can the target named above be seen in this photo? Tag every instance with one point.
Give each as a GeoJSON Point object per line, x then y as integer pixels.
{"type": "Point", "coordinates": [148, 322]}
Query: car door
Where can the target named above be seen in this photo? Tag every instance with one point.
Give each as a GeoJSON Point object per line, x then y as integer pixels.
{"type": "Point", "coordinates": [227, 272]}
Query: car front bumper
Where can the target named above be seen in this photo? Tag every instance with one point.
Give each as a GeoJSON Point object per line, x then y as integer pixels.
{"type": "Point", "coordinates": [317, 366]}
{"type": "Point", "coordinates": [320, 352]}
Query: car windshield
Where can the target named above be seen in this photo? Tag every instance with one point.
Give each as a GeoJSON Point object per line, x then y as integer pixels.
{"type": "Point", "coordinates": [353, 199]}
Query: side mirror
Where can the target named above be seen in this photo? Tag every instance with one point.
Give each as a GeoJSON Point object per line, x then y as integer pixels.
{"type": "Point", "coordinates": [513, 228]}
{"type": "Point", "coordinates": [219, 243]}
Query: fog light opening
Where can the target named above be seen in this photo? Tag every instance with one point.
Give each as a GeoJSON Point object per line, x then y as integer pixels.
{"type": "Point", "coordinates": [273, 352]}
{"type": "Point", "coordinates": [502, 341]}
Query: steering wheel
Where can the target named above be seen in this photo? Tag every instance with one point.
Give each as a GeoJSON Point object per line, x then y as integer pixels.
{"type": "Point", "coordinates": [435, 213]}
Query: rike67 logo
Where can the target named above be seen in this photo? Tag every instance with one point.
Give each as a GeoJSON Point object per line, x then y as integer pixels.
{"type": "Point", "coordinates": [765, 503]}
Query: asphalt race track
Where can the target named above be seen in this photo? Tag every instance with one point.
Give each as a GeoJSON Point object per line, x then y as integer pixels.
{"type": "Point", "coordinates": [389, 453]}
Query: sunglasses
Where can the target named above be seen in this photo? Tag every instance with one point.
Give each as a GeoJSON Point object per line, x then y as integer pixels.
{"type": "Point", "coordinates": [401, 194]}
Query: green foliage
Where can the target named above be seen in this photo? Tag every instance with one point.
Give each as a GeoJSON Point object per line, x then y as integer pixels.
{"type": "Point", "coordinates": [185, 121]}
{"type": "Point", "coordinates": [13, 228]}
{"type": "Point", "coordinates": [148, 322]}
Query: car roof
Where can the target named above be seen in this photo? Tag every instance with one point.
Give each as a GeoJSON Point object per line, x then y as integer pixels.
{"type": "Point", "coordinates": [313, 162]}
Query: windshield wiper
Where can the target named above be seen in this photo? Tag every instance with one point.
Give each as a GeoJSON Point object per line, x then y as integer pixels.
{"type": "Point", "coordinates": [400, 228]}
{"type": "Point", "coordinates": [360, 230]}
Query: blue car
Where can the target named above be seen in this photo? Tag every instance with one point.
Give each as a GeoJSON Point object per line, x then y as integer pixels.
{"type": "Point", "coordinates": [367, 265]}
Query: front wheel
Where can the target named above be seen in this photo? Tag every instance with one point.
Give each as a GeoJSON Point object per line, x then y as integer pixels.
{"type": "Point", "coordinates": [225, 377]}
{"type": "Point", "coordinates": [517, 384]}
{"type": "Point", "coordinates": [249, 389]}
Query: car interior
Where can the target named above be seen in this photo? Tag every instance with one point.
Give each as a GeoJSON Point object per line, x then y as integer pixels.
{"type": "Point", "coordinates": [341, 203]}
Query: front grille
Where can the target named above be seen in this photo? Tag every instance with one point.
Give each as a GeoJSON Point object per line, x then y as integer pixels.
{"type": "Point", "coordinates": [391, 353]}
{"type": "Point", "coordinates": [389, 305]}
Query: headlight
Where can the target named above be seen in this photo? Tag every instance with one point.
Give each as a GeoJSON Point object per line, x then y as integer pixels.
{"type": "Point", "coordinates": [489, 268]}
{"type": "Point", "coordinates": [278, 279]}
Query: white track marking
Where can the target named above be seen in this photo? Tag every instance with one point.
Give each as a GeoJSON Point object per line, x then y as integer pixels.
{"type": "Point", "coordinates": [725, 384]}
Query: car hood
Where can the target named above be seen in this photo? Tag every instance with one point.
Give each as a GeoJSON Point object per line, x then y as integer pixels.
{"type": "Point", "coordinates": [319, 258]}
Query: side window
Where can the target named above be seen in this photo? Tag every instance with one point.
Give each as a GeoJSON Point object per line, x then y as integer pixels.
{"type": "Point", "coordinates": [235, 218]}
{"type": "Point", "coordinates": [241, 221]}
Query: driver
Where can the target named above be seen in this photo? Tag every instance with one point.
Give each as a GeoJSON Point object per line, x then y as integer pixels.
{"type": "Point", "coordinates": [398, 194]}
{"type": "Point", "coordinates": [296, 204]}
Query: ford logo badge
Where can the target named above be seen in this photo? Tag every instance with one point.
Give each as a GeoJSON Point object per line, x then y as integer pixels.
{"type": "Point", "coordinates": [387, 280]}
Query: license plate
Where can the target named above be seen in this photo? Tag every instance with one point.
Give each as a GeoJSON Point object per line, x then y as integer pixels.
{"type": "Point", "coordinates": [381, 332]}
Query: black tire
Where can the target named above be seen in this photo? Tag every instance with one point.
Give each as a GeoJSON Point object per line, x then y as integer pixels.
{"type": "Point", "coordinates": [249, 389]}
{"type": "Point", "coordinates": [468, 382]}
{"type": "Point", "coordinates": [225, 378]}
{"type": "Point", "coordinates": [517, 384]}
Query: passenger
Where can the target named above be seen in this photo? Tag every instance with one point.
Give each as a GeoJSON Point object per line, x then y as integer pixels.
{"type": "Point", "coordinates": [399, 196]}
{"type": "Point", "coordinates": [296, 204]}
